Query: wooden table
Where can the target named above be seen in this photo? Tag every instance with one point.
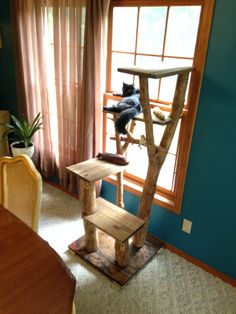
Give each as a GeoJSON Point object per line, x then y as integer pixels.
{"type": "Point", "coordinates": [33, 277]}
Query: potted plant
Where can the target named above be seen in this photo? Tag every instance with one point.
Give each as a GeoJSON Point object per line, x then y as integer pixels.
{"type": "Point", "coordinates": [23, 132]}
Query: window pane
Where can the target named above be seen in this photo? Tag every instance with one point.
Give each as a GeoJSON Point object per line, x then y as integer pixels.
{"type": "Point", "coordinates": [168, 84]}
{"type": "Point", "coordinates": [159, 131]}
{"type": "Point", "coordinates": [138, 156]}
{"type": "Point", "coordinates": [49, 52]}
{"type": "Point", "coordinates": [124, 29]}
{"type": "Point", "coordinates": [149, 62]}
{"type": "Point", "coordinates": [120, 60]}
{"type": "Point", "coordinates": [182, 31]}
{"type": "Point", "coordinates": [151, 29]}
{"type": "Point", "coordinates": [110, 144]}
{"type": "Point", "coordinates": [49, 25]}
{"type": "Point", "coordinates": [83, 16]}
{"type": "Point", "coordinates": [167, 172]}
{"type": "Point", "coordinates": [138, 161]}
{"type": "Point", "coordinates": [174, 143]}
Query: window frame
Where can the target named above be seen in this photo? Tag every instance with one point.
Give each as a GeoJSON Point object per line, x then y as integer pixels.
{"type": "Point", "coordinates": [171, 200]}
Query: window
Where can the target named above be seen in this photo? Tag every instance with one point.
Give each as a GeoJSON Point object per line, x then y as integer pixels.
{"type": "Point", "coordinates": [171, 33]}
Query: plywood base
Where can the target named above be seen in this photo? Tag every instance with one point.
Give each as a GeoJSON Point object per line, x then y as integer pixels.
{"type": "Point", "coordinates": [104, 258]}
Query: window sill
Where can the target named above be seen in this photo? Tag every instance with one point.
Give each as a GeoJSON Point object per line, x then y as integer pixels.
{"type": "Point", "coordinates": [135, 189]}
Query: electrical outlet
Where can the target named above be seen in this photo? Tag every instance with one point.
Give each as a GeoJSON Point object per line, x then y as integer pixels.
{"type": "Point", "coordinates": [187, 226]}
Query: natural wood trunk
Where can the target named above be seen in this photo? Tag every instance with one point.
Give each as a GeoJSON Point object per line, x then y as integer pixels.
{"type": "Point", "coordinates": [157, 154]}
{"type": "Point", "coordinates": [89, 198]}
{"type": "Point", "coordinates": [144, 99]}
{"type": "Point", "coordinates": [146, 200]}
{"type": "Point", "coordinates": [91, 237]}
{"type": "Point", "coordinates": [120, 175]}
{"type": "Point", "coordinates": [120, 189]}
{"type": "Point", "coordinates": [122, 253]}
{"type": "Point", "coordinates": [89, 207]}
{"type": "Point", "coordinates": [126, 140]}
{"type": "Point", "coordinates": [129, 135]}
{"type": "Point", "coordinates": [121, 149]}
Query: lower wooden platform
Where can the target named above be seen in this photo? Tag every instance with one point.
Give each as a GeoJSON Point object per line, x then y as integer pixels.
{"type": "Point", "coordinates": [104, 258]}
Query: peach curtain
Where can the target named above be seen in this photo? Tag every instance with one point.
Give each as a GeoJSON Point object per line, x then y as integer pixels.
{"type": "Point", "coordinates": [60, 53]}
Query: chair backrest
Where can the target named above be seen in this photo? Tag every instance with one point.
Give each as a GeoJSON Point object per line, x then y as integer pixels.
{"type": "Point", "coordinates": [21, 188]}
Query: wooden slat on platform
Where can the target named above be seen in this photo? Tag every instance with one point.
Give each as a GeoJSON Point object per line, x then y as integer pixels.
{"type": "Point", "coordinates": [95, 169]}
{"type": "Point", "coordinates": [155, 119]}
{"type": "Point", "coordinates": [104, 258]}
{"type": "Point", "coordinates": [115, 221]}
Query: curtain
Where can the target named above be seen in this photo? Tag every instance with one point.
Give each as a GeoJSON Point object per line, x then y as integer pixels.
{"type": "Point", "coordinates": [60, 57]}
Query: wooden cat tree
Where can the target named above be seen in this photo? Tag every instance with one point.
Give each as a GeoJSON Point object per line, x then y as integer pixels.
{"type": "Point", "coordinates": [123, 262]}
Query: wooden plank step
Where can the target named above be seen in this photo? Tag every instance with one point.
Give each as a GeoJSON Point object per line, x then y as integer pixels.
{"type": "Point", "coordinates": [155, 73]}
{"type": "Point", "coordinates": [115, 221]}
{"type": "Point", "coordinates": [95, 169]}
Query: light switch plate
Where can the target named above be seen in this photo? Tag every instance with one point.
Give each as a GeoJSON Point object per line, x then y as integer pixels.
{"type": "Point", "coordinates": [187, 226]}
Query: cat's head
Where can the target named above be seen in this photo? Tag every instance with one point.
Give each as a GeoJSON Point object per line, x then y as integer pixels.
{"type": "Point", "coordinates": [128, 89]}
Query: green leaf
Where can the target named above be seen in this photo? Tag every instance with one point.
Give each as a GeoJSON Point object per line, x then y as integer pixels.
{"type": "Point", "coordinates": [23, 130]}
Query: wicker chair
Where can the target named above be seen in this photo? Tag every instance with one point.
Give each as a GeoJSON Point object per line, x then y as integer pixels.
{"type": "Point", "coordinates": [21, 188]}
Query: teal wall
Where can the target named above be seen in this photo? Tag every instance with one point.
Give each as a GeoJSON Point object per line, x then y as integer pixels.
{"type": "Point", "coordinates": [210, 189]}
{"type": "Point", "coordinates": [8, 94]}
{"type": "Point", "coordinates": [211, 181]}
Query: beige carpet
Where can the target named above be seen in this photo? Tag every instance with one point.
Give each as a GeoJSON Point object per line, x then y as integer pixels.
{"type": "Point", "coordinates": [168, 284]}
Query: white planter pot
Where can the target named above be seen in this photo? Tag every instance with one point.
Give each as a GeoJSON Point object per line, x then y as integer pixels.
{"type": "Point", "coordinates": [16, 151]}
